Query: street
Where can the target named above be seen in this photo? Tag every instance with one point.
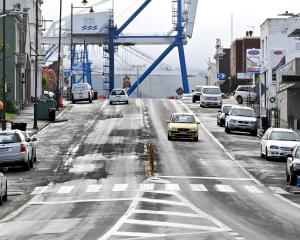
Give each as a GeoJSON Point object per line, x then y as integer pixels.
{"type": "Point", "coordinates": [90, 182]}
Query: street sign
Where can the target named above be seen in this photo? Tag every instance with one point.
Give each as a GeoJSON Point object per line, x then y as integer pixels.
{"type": "Point", "coordinates": [67, 73]}
{"type": "Point", "coordinates": [244, 76]}
{"type": "Point", "coordinates": [179, 91]}
{"type": "Point", "coordinates": [221, 75]}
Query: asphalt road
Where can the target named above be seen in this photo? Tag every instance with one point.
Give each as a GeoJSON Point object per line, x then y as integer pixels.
{"type": "Point", "coordinates": [89, 182]}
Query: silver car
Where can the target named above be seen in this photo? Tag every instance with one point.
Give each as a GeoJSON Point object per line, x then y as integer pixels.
{"type": "Point", "coordinates": [15, 150]}
{"type": "Point", "coordinates": [3, 188]}
{"type": "Point", "coordinates": [242, 119]}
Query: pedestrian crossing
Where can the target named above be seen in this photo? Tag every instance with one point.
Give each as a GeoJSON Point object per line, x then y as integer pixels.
{"type": "Point", "coordinates": [147, 187]}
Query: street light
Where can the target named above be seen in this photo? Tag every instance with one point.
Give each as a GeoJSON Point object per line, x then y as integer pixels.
{"type": "Point", "coordinates": [35, 126]}
{"type": "Point", "coordinates": [59, 57]}
{"type": "Point", "coordinates": [84, 2]}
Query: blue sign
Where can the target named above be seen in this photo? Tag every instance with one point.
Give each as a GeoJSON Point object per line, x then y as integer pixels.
{"type": "Point", "coordinates": [221, 75]}
{"type": "Point", "coordinates": [67, 73]}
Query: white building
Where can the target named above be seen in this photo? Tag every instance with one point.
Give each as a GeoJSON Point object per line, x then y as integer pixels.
{"type": "Point", "coordinates": [211, 79]}
{"type": "Point", "coordinates": [277, 50]}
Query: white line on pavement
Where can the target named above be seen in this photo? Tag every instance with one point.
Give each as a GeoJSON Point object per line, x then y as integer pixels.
{"type": "Point", "coordinates": [278, 190]}
{"type": "Point", "coordinates": [224, 188]}
{"type": "Point", "coordinates": [65, 189]}
{"type": "Point", "coordinates": [80, 201]}
{"type": "Point", "coordinates": [172, 187]}
{"type": "Point", "coordinates": [120, 187]}
{"type": "Point", "coordinates": [146, 186]}
{"type": "Point", "coordinates": [181, 214]}
{"type": "Point", "coordinates": [137, 234]}
{"type": "Point", "coordinates": [198, 187]}
{"type": "Point", "coordinates": [167, 202]}
{"type": "Point", "coordinates": [93, 188]}
{"type": "Point", "coordinates": [209, 178]}
{"type": "Point", "coordinates": [252, 189]}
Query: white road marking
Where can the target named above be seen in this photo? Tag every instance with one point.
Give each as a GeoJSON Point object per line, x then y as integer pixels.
{"type": "Point", "coordinates": [167, 202]}
{"type": "Point", "coordinates": [39, 190]}
{"type": "Point", "coordinates": [82, 168]}
{"type": "Point", "coordinates": [181, 214]}
{"type": "Point", "coordinates": [170, 224]}
{"type": "Point", "coordinates": [234, 234]}
{"type": "Point", "coordinates": [137, 234]}
{"type": "Point", "coordinates": [252, 189]}
{"type": "Point", "coordinates": [287, 200]}
{"type": "Point", "coordinates": [65, 189]}
{"type": "Point", "coordinates": [224, 188]}
{"type": "Point", "coordinates": [80, 201]}
{"type": "Point", "coordinates": [278, 190]}
{"type": "Point", "coordinates": [146, 186]}
{"type": "Point", "coordinates": [208, 178]}
{"type": "Point", "coordinates": [172, 187]}
{"type": "Point", "coordinates": [239, 238]}
{"type": "Point", "coordinates": [120, 187]}
{"type": "Point", "coordinates": [198, 187]}
{"type": "Point", "coordinates": [93, 188]}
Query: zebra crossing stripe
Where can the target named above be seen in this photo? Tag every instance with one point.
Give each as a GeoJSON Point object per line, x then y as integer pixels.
{"type": "Point", "coordinates": [120, 187]}
{"type": "Point", "coordinates": [65, 189]}
{"type": "Point", "coordinates": [224, 188]}
{"type": "Point", "coordinates": [172, 187]}
{"type": "Point", "coordinates": [93, 188]}
{"type": "Point", "coordinates": [198, 188]}
{"type": "Point", "coordinates": [147, 186]}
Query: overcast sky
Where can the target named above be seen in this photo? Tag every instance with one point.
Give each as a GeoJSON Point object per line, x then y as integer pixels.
{"type": "Point", "coordinates": [212, 21]}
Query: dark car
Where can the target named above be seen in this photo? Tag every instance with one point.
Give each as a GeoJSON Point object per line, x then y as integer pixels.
{"type": "Point", "coordinates": [293, 166]}
{"type": "Point", "coordinates": [222, 114]}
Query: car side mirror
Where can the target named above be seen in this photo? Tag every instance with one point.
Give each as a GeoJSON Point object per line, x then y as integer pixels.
{"type": "Point", "coordinates": [28, 140]}
{"type": "Point", "coordinates": [168, 121]}
{"type": "Point", "coordinates": [226, 114]}
{"type": "Point", "coordinates": [34, 139]}
{"type": "Point", "coordinates": [219, 111]}
{"type": "Point", "coordinates": [198, 123]}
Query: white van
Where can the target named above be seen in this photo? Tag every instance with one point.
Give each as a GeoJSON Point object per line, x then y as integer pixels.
{"type": "Point", "coordinates": [211, 96]}
{"type": "Point", "coordinates": [82, 92]}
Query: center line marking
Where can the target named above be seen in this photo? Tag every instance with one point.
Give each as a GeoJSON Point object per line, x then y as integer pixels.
{"type": "Point", "coordinates": [198, 187]}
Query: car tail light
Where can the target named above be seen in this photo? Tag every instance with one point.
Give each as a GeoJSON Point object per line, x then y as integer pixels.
{"type": "Point", "coordinates": [22, 148]}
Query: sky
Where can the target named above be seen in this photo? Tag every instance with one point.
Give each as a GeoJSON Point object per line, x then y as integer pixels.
{"type": "Point", "coordinates": [213, 21]}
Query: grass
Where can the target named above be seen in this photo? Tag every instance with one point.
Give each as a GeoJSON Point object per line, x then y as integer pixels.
{"type": "Point", "coordinates": [10, 116]}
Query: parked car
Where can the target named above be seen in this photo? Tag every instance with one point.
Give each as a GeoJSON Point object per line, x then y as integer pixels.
{"type": "Point", "coordinates": [15, 150]}
{"type": "Point", "coordinates": [3, 188]}
{"type": "Point", "coordinates": [197, 94]}
{"type": "Point", "coordinates": [211, 96]}
{"type": "Point", "coordinates": [222, 114]}
{"type": "Point", "coordinates": [118, 96]}
{"type": "Point", "coordinates": [187, 97]}
{"type": "Point", "coordinates": [278, 143]}
{"type": "Point", "coordinates": [183, 125]}
{"type": "Point", "coordinates": [242, 119]}
{"type": "Point", "coordinates": [245, 93]}
{"type": "Point", "coordinates": [82, 92]}
{"type": "Point", "coordinates": [293, 166]}
{"type": "Point", "coordinates": [31, 141]}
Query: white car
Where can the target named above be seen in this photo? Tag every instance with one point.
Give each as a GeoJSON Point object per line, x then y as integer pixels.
{"type": "Point", "coordinates": [242, 119]}
{"type": "Point", "coordinates": [118, 96]}
{"type": "Point", "coordinates": [245, 93]}
{"type": "Point", "coordinates": [82, 92]}
{"type": "Point", "coordinates": [3, 188]}
{"type": "Point", "coordinates": [278, 143]}
{"type": "Point", "coordinates": [211, 96]}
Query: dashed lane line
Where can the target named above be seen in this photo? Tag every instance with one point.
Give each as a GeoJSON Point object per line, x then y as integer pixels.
{"type": "Point", "coordinates": [224, 188]}
{"type": "Point", "coordinates": [252, 189]}
{"type": "Point", "coordinates": [198, 188]}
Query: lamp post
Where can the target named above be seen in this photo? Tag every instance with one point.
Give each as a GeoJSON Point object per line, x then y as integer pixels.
{"type": "Point", "coordinates": [3, 66]}
{"type": "Point", "coordinates": [59, 56]}
{"type": "Point", "coordinates": [84, 2]}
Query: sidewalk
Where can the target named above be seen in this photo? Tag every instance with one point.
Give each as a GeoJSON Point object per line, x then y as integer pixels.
{"type": "Point", "coordinates": [27, 116]}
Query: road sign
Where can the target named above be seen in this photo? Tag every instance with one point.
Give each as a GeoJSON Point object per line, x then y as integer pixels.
{"type": "Point", "coordinates": [221, 75]}
{"type": "Point", "coordinates": [244, 76]}
{"type": "Point", "coordinates": [179, 91]}
{"type": "Point", "coordinates": [67, 73]}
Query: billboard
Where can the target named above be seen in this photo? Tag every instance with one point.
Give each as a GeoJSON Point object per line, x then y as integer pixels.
{"type": "Point", "coordinates": [278, 59]}
{"type": "Point", "coordinates": [96, 23]}
{"type": "Point", "coordinates": [253, 60]}
{"type": "Point", "coordinates": [244, 76]}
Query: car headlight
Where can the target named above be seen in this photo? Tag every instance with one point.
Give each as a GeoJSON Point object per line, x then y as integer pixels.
{"type": "Point", "coordinates": [204, 98]}
{"type": "Point", "coordinates": [194, 129]}
{"type": "Point", "coordinates": [252, 123]}
{"type": "Point", "coordinates": [274, 147]}
{"type": "Point", "coordinates": [233, 121]}
{"type": "Point", "coordinates": [173, 129]}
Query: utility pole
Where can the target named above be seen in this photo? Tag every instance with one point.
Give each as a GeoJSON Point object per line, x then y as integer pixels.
{"type": "Point", "coordinates": [4, 67]}
{"type": "Point", "coordinates": [72, 52]}
{"type": "Point", "coordinates": [59, 57]}
{"type": "Point", "coordinates": [35, 126]}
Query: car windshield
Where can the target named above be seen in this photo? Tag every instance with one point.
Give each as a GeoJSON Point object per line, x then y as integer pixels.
{"type": "Point", "coordinates": [242, 112]}
{"type": "Point", "coordinates": [118, 92]}
{"type": "Point", "coordinates": [297, 154]}
{"type": "Point", "coordinates": [9, 138]}
{"type": "Point", "coordinates": [183, 119]}
{"type": "Point", "coordinates": [211, 91]}
{"type": "Point", "coordinates": [283, 136]}
{"type": "Point", "coordinates": [226, 109]}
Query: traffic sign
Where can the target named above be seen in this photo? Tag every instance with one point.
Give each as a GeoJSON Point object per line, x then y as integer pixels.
{"type": "Point", "coordinates": [67, 73]}
{"type": "Point", "coordinates": [221, 75]}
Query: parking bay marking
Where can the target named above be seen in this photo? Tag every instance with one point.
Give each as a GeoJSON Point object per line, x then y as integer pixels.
{"type": "Point", "coordinates": [224, 188]}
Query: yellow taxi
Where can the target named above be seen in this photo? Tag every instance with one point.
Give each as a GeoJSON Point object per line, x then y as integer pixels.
{"type": "Point", "coordinates": [183, 125]}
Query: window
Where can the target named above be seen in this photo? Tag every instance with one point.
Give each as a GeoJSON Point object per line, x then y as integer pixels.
{"type": "Point", "coordinates": [243, 112]}
{"type": "Point", "coordinates": [183, 119]}
{"type": "Point", "coordinates": [283, 136]}
{"type": "Point", "coordinates": [211, 91]}
{"type": "Point", "coordinates": [9, 138]}
{"type": "Point", "coordinates": [118, 92]}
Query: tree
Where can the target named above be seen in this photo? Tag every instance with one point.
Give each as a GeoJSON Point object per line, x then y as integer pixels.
{"type": "Point", "coordinates": [49, 80]}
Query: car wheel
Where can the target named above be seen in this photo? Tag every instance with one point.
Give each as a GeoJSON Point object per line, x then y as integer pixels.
{"type": "Point", "coordinates": [253, 133]}
{"type": "Point", "coordinates": [34, 159]}
{"type": "Point", "coordinates": [193, 100]}
{"type": "Point", "coordinates": [239, 99]}
{"type": "Point", "coordinates": [261, 152]}
{"type": "Point", "coordinates": [227, 130]}
{"type": "Point", "coordinates": [126, 102]}
{"type": "Point", "coordinates": [218, 123]}
{"type": "Point", "coordinates": [31, 163]}
{"type": "Point", "coordinates": [90, 100]}
{"type": "Point", "coordinates": [292, 179]}
{"type": "Point", "coordinates": [196, 139]}
{"type": "Point", "coordinates": [1, 200]}
{"type": "Point", "coordinates": [5, 195]}
{"type": "Point", "coordinates": [287, 175]}
{"type": "Point", "coordinates": [110, 103]}
{"type": "Point", "coordinates": [26, 165]}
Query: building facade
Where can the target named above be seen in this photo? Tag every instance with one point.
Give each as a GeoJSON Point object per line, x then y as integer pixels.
{"type": "Point", "coordinates": [277, 49]}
